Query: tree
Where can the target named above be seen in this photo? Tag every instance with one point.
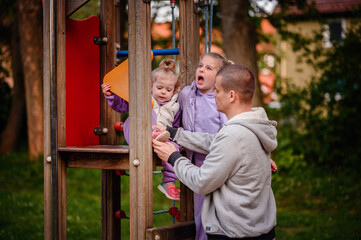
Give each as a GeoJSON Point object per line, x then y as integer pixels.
{"type": "Point", "coordinates": [11, 132]}
{"type": "Point", "coordinates": [31, 47]}
{"type": "Point", "coordinates": [240, 38]}
{"type": "Point", "coordinates": [26, 53]}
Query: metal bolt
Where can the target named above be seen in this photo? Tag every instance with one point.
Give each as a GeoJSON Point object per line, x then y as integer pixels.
{"type": "Point", "coordinates": [48, 159]}
{"type": "Point", "coordinates": [157, 237]}
{"type": "Point", "coordinates": [105, 130]}
{"type": "Point", "coordinates": [105, 39]}
{"type": "Point", "coordinates": [136, 162]}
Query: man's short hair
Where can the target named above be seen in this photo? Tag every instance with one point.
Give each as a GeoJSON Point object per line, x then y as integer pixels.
{"type": "Point", "coordinates": [239, 78]}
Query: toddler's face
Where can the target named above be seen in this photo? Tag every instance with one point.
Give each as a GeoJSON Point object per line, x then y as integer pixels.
{"type": "Point", "coordinates": [163, 89]}
{"type": "Point", "coordinates": [206, 73]}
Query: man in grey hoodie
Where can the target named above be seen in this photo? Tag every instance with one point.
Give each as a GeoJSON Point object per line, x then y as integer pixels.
{"type": "Point", "coordinates": [236, 175]}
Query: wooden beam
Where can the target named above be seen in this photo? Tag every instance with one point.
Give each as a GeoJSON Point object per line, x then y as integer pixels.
{"type": "Point", "coordinates": [47, 132]}
{"type": "Point", "coordinates": [141, 179]}
{"type": "Point", "coordinates": [181, 231]}
{"type": "Point", "coordinates": [58, 166]}
{"type": "Point", "coordinates": [188, 60]}
{"type": "Point", "coordinates": [110, 182]}
{"type": "Point", "coordinates": [96, 159]}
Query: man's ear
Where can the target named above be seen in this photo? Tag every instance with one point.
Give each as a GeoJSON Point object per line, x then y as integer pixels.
{"type": "Point", "coordinates": [232, 96]}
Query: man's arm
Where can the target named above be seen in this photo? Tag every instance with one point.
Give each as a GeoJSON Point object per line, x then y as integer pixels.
{"type": "Point", "coordinates": [219, 164]}
{"type": "Point", "coordinates": [194, 141]}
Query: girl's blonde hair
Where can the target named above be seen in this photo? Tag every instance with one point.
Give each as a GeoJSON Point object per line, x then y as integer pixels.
{"type": "Point", "coordinates": [223, 61]}
{"type": "Point", "coordinates": [166, 70]}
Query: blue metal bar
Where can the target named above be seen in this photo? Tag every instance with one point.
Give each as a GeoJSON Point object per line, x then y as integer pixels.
{"type": "Point", "coordinates": [156, 52]}
{"type": "Point", "coordinates": [161, 211]}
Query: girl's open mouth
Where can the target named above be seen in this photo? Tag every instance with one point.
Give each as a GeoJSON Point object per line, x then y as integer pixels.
{"type": "Point", "coordinates": [200, 80]}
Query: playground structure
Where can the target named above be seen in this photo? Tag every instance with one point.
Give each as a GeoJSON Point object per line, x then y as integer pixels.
{"type": "Point", "coordinates": [62, 146]}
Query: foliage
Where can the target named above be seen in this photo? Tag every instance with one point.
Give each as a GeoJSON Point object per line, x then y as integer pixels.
{"type": "Point", "coordinates": [320, 121]}
{"type": "Point", "coordinates": [91, 8]}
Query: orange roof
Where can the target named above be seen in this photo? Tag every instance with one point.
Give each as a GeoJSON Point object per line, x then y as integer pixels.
{"type": "Point", "coordinates": [327, 6]}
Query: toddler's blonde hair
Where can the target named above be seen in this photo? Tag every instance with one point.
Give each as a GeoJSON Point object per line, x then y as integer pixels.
{"type": "Point", "coordinates": [166, 70]}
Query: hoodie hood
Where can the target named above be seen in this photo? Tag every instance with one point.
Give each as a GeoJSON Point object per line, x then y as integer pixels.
{"type": "Point", "coordinates": [257, 121]}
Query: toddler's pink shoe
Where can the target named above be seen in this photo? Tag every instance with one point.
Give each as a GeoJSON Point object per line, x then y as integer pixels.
{"type": "Point", "coordinates": [161, 136]}
{"type": "Point", "coordinates": [170, 190]}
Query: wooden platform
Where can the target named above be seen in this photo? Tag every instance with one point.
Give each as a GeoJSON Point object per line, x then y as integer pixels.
{"type": "Point", "coordinates": [96, 157]}
{"type": "Point", "coordinates": [184, 230]}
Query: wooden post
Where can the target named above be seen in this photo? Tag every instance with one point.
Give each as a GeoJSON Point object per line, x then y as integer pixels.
{"type": "Point", "coordinates": [141, 182]}
{"type": "Point", "coordinates": [47, 137]}
{"type": "Point", "coordinates": [188, 60]}
{"type": "Point", "coordinates": [110, 182]}
{"type": "Point", "coordinates": [59, 166]}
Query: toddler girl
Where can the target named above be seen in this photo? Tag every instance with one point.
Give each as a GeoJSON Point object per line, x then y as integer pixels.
{"type": "Point", "coordinates": [165, 84]}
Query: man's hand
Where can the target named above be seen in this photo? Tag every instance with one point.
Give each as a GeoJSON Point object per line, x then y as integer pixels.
{"type": "Point", "coordinates": [159, 127]}
{"type": "Point", "coordinates": [163, 150]}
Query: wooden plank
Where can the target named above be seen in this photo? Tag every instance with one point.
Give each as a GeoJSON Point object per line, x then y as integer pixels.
{"type": "Point", "coordinates": [96, 160]}
{"type": "Point", "coordinates": [120, 149]}
{"type": "Point", "coordinates": [62, 198]}
{"type": "Point", "coordinates": [188, 60]}
{"type": "Point", "coordinates": [110, 203]}
{"type": "Point", "coordinates": [185, 230]}
{"type": "Point", "coordinates": [108, 28]}
{"type": "Point", "coordinates": [47, 137]}
{"type": "Point", "coordinates": [110, 193]}
{"type": "Point", "coordinates": [141, 179]}
{"type": "Point", "coordinates": [73, 5]}
{"type": "Point", "coordinates": [59, 168]}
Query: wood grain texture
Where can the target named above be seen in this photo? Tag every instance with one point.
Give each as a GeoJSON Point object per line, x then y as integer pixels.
{"type": "Point", "coordinates": [47, 137]}
{"type": "Point", "coordinates": [188, 60]}
{"type": "Point", "coordinates": [141, 194]}
{"type": "Point", "coordinates": [184, 230]}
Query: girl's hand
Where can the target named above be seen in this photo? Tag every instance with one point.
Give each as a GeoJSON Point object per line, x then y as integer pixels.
{"type": "Point", "coordinates": [106, 89]}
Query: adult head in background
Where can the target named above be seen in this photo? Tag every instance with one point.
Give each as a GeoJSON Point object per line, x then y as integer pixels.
{"type": "Point", "coordinates": [236, 174]}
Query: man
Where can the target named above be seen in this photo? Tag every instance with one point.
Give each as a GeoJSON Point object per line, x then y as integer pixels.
{"type": "Point", "coordinates": [236, 174]}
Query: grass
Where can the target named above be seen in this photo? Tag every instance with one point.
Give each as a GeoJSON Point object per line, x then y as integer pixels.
{"type": "Point", "coordinates": [311, 203]}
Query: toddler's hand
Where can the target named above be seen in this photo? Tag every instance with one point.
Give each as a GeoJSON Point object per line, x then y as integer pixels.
{"type": "Point", "coordinates": [159, 127]}
{"type": "Point", "coordinates": [106, 89]}
{"type": "Point", "coordinates": [273, 166]}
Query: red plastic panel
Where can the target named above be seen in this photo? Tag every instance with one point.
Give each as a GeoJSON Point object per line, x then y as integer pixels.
{"type": "Point", "coordinates": [82, 82]}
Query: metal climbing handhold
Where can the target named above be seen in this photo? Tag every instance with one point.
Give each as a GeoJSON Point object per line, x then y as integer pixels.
{"type": "Point", "coordinates": [118, 126]}
{"type": "Point", "coordinates": [173, 211]}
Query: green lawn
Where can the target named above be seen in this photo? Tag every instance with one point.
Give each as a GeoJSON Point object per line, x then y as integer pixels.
{"type": "Point", "coordinates": [312, 204]}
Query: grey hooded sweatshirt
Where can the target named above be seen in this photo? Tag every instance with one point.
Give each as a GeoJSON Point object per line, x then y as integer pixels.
{"type": "Point", "coordinates": [235, 176]}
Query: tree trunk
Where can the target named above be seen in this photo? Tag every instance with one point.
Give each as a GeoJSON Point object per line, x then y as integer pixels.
{"type": "Point", "coordinates": [31, 47]}
{"type": "Point", "coordinates": [10, 134]}
{"type": "Point", "coordinates": [240, 38]}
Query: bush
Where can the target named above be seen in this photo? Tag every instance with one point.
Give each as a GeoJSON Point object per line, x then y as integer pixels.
{"type": "Point", "coordinates": [320, 123]}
